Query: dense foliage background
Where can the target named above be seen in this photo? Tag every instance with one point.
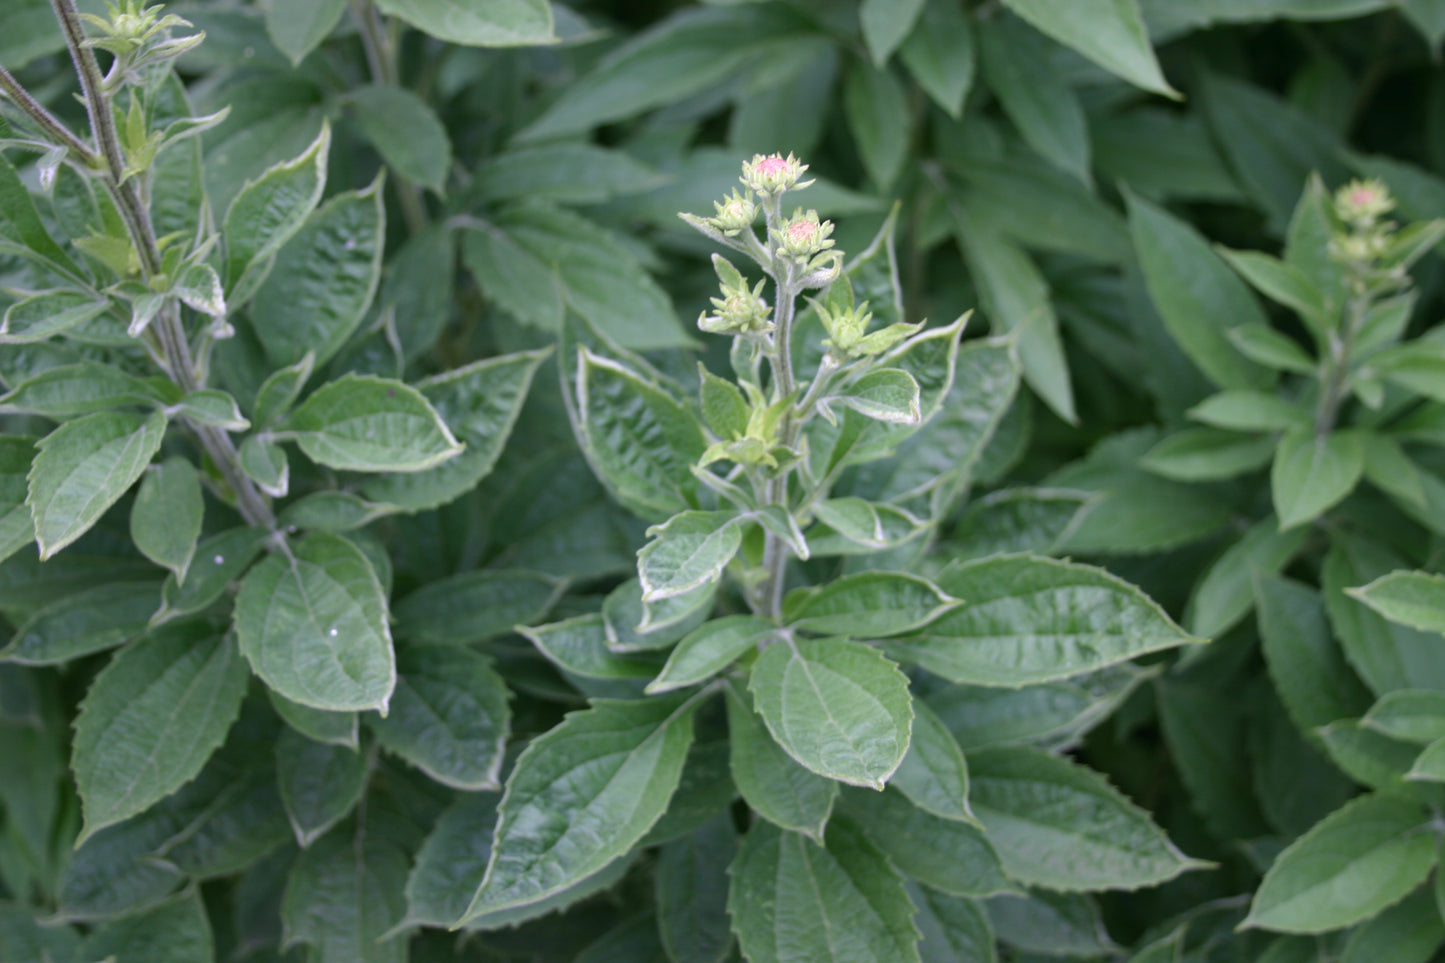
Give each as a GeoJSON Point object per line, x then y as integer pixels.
{"type": "Point", "coordinates": [1191, 366]}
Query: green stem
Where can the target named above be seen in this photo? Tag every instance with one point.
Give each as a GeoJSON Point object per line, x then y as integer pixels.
{"type": "Point", "coordinates": [43, 118]}
{"type": "Point", "coordinates": [1337, 365]}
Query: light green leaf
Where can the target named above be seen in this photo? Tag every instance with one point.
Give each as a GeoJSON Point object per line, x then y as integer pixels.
{"type": "Point", "coordinates": [332, 728]}
{"type": "Point", "coordinates": [795, 901]}
{"type": "Point", "coordinates": [1414, 715]}
{"type": "Point", "coordinates": [773, 784]}
{"type": "Point", "coordinates": [581, 795]}
{"type": "Point", "coordinates": [151, 720]}
{"type": "Point", "coordinates": [77, 389]}
{"type": "Point", "coordinates": [1352, 864]}
{"type": "Point", "coordinates": [1408, 932]}
{"type": "Point", "coordinates": [176, 931]}
{"type": "Point", "coordinates": [343, 895]}
{"type": "Point", "coordinates": [264, 462]}
{"type": "Point", "coordinates": [1386, 654]}
{"type": "Point", "coordinates": [724, 410]}
{"type": "Point", "coordinates": [83, 467]}
{"type": "Point", "coordinates": [268, 212]}
{"type": "Point", "coordinates": [1063, 827]}
{"type": "Point", "coordinates": [405, 131]}
{"type": "Point", "coordinates": [637, 626]}
{"type": "Point", "coordinates": [688, 551]}
{"type": "Point", "coordinates": [855, 526]}
{"type": "Point", "coordinates": [320, 783]}
{"type": "Point", "coordinates": [1028, 620]}
{"type": "Point", "coordinates": [19, 221]}
{"type": "Point", "coordinates": [884, 394]}
{"type": "Point", "coordinates": [1226, 592]}
{"type": "Point", "coordinates": [1371, 758]}
{"type": "Point", "coordinates": [933, 774]}
{"type": "Point", "coordinates": [876, 108]}
{"type": "Point", "coordinates": [312, 623]}
{"type": "Point", "coordinates": [1311, 474]}
{"type": "Point", "coordinates": [885, 23]}
{"type": "Point", "coordinates": [478, 23]}
{"type": "Point", "coordinates": [638, 440]}
{"type": "Point", "coordinates": [165, 519]}
{"type": "Point", "coordinates": [1313, 680]}
{"type": "Point", "coordinates": [579, 646]}
{"type": "Point", "coordinates": [691, 889]}
{"type": "Point", "coordinates": [1285, 284]}
{"type": "Point", "coordinates": [710, 648]}
{"type": "Point", "coordinates": [449, 716]}
{"type": "Point", "coordinates": [945, 854]}
{"type": "Point", "coordinates": [1018, 64]}
{"type": "Point", "coordinates": [323, 280]}
{"type": "Point", "coordinates": [44, 315]}
{"type": "Point", "coordinates": [838, 707]}
{"type": "Point", "coordinates": [1416, 599]}
{"type": "Point", "coordinates": [210, 407]}
{"type": "Point", "coordinates": [1389, 468]}
{"type": "Point", "coordinates": [365, 423]}
{"type": "Point", "coordinates": [1271, 348]}
{"type": "Point", "coordinates": [1109, 32]}
{"type": "Point", "coordinates": [281, 389]}
{"type": "Point", "coordinates": [199, 287]}
{"type": "Point", "coordinates": [475, 606]}
{"type": "Point", "coordinates": [1207, 454]}
{"type": "Point", "coordinates": [299, 26]}
{"type": "Point", "coordinates": [868, 605]}
{"type": "Point", "coordinates": [1430, 765]}
{"type": "Point", "coordinates": [1199, 298]}
{"type": "Point", "coordinates": [1249, 410]}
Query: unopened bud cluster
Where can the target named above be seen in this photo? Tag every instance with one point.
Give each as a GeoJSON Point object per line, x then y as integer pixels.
{"type": "Point", "coordinates": [1365, 241]}
{"type": "Point", "coordinates": [847, 332]}
{"type": "Point", "coordinates": [138, 36]}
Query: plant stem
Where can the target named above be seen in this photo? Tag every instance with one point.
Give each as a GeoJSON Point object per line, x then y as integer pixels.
{"type": "Point", "coordinates": [780, 359]}
{"type": "Point", "coordinates": [170, 332]}
{"type": "Point", "coordinates": [1337, 366]}
{"type": "Point", "coordinates": [47, 121]}
{"type": "Point", "coordinates": [383, 62]}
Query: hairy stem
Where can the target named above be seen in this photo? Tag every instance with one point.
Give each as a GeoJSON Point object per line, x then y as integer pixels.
{"type": "Point", "coordinates": [1337, 365]}
{"type": "Point", "coordinates": [175, 349]}
{"type": "Point", "coordinates": [48, 122]}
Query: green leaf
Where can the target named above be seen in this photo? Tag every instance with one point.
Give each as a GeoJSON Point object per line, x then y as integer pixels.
{"type": "Point", "coordinates": [222, 559]}
{"type": "Point", "coordinates": [477, 23]}
{"type": "Point", "coordinates": [1271, 348]}
{"type": "Point", "coordinates": [475, 606]}
{"type": "Point", "coordinates": [581, 795]}
{"type": "Point", "coordinates": [709, 649]}
{"type": "Point", "coordinates": [298, 27]}
{"type": "Point", "coordinates": [1371, 758]}
{"type": "Point", "coordinates": [689, 550]}
{"type": "Point", "coordinates": [1017, 62]}
{"type": "Point", "coordinates": [773, 784]}
{"type": "Point", "coordinates": [691, 888]}
{"type": "Point", "coordinates": [151, 720]}
{"type": "Point", "coordinates": [953, 928]}
{"type": "Point", "coordinates": [280, 390]}
{"type": "Point", "coordinates": [210, 407]}
{"type": "Point", "coordinates": [268, 211]}
{"type": "Point", "coordinates": [332, 728]}
{"type": "Point", "coordinates": [83, 467]}
{"type": "Point", "coordinates": [884, 394]}
{"type": "Point", "coordinates": [343, 895]}
{"type": "Point", "coordinates": [1416, 599]}
{"type": "Point", "coordinates": [876, 108]}
{"type": "Point", "coordinates": [449, 716]}
{"type": "Point", "coordinates": [1390, 469]}
{"type": "Point", "coordinates": [1051, 924]}
{"type": "Point", "coordinates": [1430, 765]}
{"type": "Point", "coordinates": [638, 440]}
{"type": "Point", "coordinates": [1408, 932]}
{"type": "Point", "coordinates": [1249, 410]}
{"type": "Point", "coordinates": [579, 646]}
{"type": "Point", "coordinates": [1354, 863]}
{"type": "Point", "coordinates": [940, 55]}
{"type": "Point", "coordinates": [933, 774]}
{"type": "Point", "coordinates": [1011, 520]}
{"type": "Point", "coordinates": [1311, 474]}
{"type": "Point", "coordinates": [1285, 284]}
{"type": "Point", "coordinates": [323, 280]}
{"type": "Point", "coordinates": [944, 854]}
{"type": "Point", "coordinates": [795, 901]}
{"type": "Point", "coordinates": [45, 315]}
{"type": "Point", "coordinates": [25, 940]}
{"type": "Point", "coordinates": [1314, 682]}
{"type": "Point", "coordinates": [565, 173]}
{"type": "Point", "coordinates": [1028, 620]}
{"type": "Point", "coordinates": [724, 410]}
{"type": "Point", "coordinates": [19, 221]}
{"type": "Point", "coordinates": [365, 423]}
{"type": "Point", "coordinates": [885, 24]}
{"type": "Point", "coordinates": [165, 519]}
{"type": "Point", "coordinates": [838, 707]}
{"type": "Point", "coordinates": [1063, 827]}
{"type": "Point", "coordinates": [176, 931]}
{"type": "Point", "coordinates": [265, 463]}
{"type": "Point", "coordinates": [1226, 592]}
{"type": "Point", "coordinates": [77, 389]}
{"type": "Point", "coordinates": [859, 526]}
{"type": "Point", "coordinates": [1207, 454]}
{"type": "Point", "coordinates": [1387, 655]}
{"type": "Point", "coordinates": [1109, 32]}
{"type": "Point", "coordinates": [405, 131]}
{"type": "Point", "coordinates": [1414, 715]}
{"type": "Point", "coordinates": [17, 527]}
{"type": "Point", "coordinates": [868, 605]}
{"type": "Point", "coordinates": [320, 783]}
{"type": "Point", "coordinates": [312, 623]}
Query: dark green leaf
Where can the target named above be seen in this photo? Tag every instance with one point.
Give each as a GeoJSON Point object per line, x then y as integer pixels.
{"type": "Point", "coordinates": [84, 622]}
{"type": "Point", "coordinates": [165, 519]}
{"type": "Point", "coordinates": [1314, 682]}
{"type": "Point", "coordinates": [405, 131]}
{"type": "Point", "coordinates": [944, 854]}
{"type": "Point", "coordinates": [692, 892]}
{"type": "Point", "coordinates": [320, 783]}
{"type": "Point", "coordinates": [344, 894]}
{"type": "Point", "coordinates": [508, 23]}
{"type": "Point", "coordinates": [176, 931]}
{"type": "Point", "coordinates": [475, 606]}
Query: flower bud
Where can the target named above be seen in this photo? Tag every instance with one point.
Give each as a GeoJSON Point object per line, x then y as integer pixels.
{"type": "Point", "coordinates": [1362, 203]}
{"type": "Point", "coordinates": [735, 213]}
{"type": "Point", "coordinates": [803, 235]}
{"type": "Point", "coordinates": [738, 311]}
{"type": "Point", "coordinates": [773, 174]}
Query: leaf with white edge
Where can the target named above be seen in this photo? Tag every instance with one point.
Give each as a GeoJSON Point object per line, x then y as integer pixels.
{"type": "Point", "coordinates": [332, 728]}
{"type": "Point", "coordinates": [1416, 599]}
{"type": "Point", "coordinates": [639, 441]}
{"type": "Point", "coordinates": [323, 280]}
{"type": "Point", "coordinates": [212, 408]}
{"type": "Point", "coordinates": [581, 795]}
{"type": "Point", "coordinates": [493, 23]}
{"type": "Point", "coordinates": [364, 423]}
{"type": "Point", "coordinates": [1063, 827]}
{"type": "Point", "coordinates": [1311, 474]}
{"type": "Point", "coordinates": [709, 649]}
{"type": "Point", "coordinates": [281, 389]}
{"type": "Point", "coordinates": [265, 463]}
{"type": "Point", "coordinates": [83, 467]}
{"type": "Point", "coordinates": [405, 131]}
{"type": "Point", "coordinates": [868, 605]}
{"type": "Point", "coordinates": [268, 212]}
{"type": "Point", "coordinates": [838, 707]}
{"type": "Point", "coordinates": [1029, 620]}
{"type": "Point", "coordinates": [312, 623]}
{"type": "Point", "coordinates": [199, 288]}
{"type": "Point", "coordinates": [298, 27]}
{"type": "Point", "coordinates": [945, 854]}
{"type": "Point", "coordinates": [1414, 715]}
{"type": "Point", "coordinates": [449, 716]}
{"type": "Point", "coordinates": [343, 895]}
{"type": "Point", "coordinates": [77, 389]}
{"type": "Point", "coordinates": [579, 646]}
{"type": "Point", "coordinates": [480, 403]}
{"type": "Point", "coordinates": [887, 394]}
{"type": "Point", "coordinates": [475, 606]}
{"type": "Point", "coordinates": [43, 315]}
{"type": "Point", "coordinates": [771, 781]}
{"type": "Point", "coordinates": [691, 892]}
{"type": "Point", "coordinates": [165, 518]}
{"type": "Point", "coordinates": [1355, 862]}
{"type": "Point", "coordinates": [320, 783]}
{"type": "Point", "coordinates": [152, 718]}
{"type": "Point", "coordinates": [636, 626]}
{"type": "Point", "coordinates": [176, 931]}
{"type": "Point", "coordinates": [795, 901]}
{"type": "Point", "coordinates": [934, 774]}
{"type": "Point", "coordinates": [859, 526]}
{"type": "Point", "coordinates": [17, 527]}
{"type": "Point", "coordinates": [1111, 33]}
{"type": "Point", "coordinates": [689, 550]}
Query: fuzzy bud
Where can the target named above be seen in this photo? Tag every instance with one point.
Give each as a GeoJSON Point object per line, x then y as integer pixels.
{"type": "Point", "coordinates": [735, 213]}
{"type": "Point", "coordinates": [803, 236]}
{"type": "Point", "coordinates": [738, 311]}
{"type": "Point", "coordinates": [1361, 204]}
{"type": "Point", "coordinates": [774, 174]}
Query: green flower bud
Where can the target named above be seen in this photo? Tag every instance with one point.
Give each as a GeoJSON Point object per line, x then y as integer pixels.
{"type": "Point", "coordinates": [738, 311]}
{"type": "Point", "coordinates": [735, 213]}
{"type": "Point", "coordinates": [774, 174]}
{"type": "Point", "coordinates": [1361, 204]}
{"type": "Point", "coordinates": [803, 236]}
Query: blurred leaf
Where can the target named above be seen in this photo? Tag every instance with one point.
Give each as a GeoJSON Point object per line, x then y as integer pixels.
{"type": "Point", "coordinates": [405, 131]}
{"type": "Point", "coordinates": [479, 23]}
{"type": "Point", "coordinates": [1108, 32]}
